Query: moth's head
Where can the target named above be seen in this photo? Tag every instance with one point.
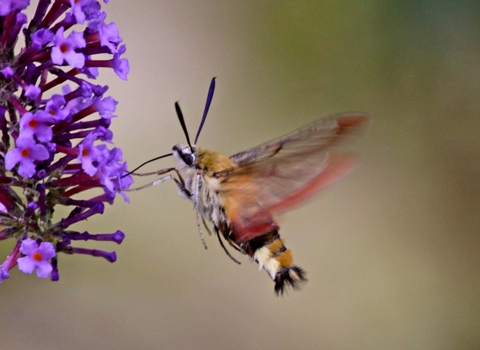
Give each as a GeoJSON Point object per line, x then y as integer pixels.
{"type": "Point", "coordinates": [184, 154]}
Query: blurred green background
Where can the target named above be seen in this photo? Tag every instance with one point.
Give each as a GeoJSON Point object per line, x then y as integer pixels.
{"type": "Point", "coordinates": [392, 252]}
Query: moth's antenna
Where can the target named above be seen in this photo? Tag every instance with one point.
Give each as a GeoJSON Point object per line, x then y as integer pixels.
{"type": "Point", "coordinates": [145, 163]}
{"type": "Point", "coordinates": [211, 90]}
{"type": "Point", "coordinates": [182, 122]}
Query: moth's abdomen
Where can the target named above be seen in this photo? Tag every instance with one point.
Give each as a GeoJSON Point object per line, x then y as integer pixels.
{"type": "Point", "coordinates": [269, 251]}
{"type": "Point", "coordinates": [292, 276]}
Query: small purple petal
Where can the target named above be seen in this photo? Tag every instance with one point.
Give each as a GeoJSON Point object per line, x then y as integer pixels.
{"type": "Point", "coordinates": [42, 37]}
{"type": "Point", "coordinates": [26, 265]}
{"type": "Point", "coordinates": [7, 72]}
{"type": "Point", "coordinates": [75, 59]}
{"type": "Point", "coordinates": [77, 10]}
{"type": "Point", "coordinates": [90, 72]}
{"type": "Point", "coordinates": [92, 10]}
{"type": "Point", "coordinates": [32, 92]}
{"type": "Point", "coordinates": [47, 250]}
{"type": "Point", "coordinates": [121, 65]}
{"type": "Point", "coordinates": [44, 269]}
{"type": "Point", "coordinates": [106, 106]}
{"type": "Point", "coordinates": [12, 158]}
{"type": "Point", "coordinates": [109, 36]}
{"type": "Point", "coordinates": [39, 152]}
{"type": "Point", "coordinates": [26, 167]}
{"type": "Point", "coordinates": [96, 19]}
{"type": "Point", "coordinates": [29, 246]}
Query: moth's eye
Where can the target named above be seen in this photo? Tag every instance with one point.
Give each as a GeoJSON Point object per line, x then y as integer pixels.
{"type": "Point", "coordinates": [188, 158]}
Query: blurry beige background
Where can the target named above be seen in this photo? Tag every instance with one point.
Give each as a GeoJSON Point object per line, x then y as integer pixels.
{"type": "Point", "coordinates": [392, 252]}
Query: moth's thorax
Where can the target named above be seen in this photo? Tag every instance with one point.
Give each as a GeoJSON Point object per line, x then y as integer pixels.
{"type": "Point", "coordinates": [212, 163]}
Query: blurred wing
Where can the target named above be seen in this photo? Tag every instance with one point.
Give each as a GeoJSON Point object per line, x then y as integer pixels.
{"type": "Point", "coordinates": [318, 135]}
{"type": "Point", "coordinates": [279, 174]}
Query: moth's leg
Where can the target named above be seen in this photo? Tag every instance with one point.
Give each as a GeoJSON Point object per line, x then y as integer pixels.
{"type": "Point", "coordinates": [179, 182]}
{"type": "Point", "coordinates": [206, 226]}
{"type": "Point", "coordinates": [153, 183]}
{"type": "Point", "coordinates": [223, 246]}
{"type": "Point", "coordinates": [197, 213]}
{"type": "Point", "coordinates": [229, 234]}
{"type": "Point", "coordinates": [234, 246]}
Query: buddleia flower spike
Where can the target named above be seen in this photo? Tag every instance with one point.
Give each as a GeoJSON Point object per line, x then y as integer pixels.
{"type": "Point", "coordinates": [55, 144]}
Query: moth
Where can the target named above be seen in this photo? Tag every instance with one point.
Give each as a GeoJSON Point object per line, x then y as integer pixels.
{"type": "Point", "coordinates": [240, 195]}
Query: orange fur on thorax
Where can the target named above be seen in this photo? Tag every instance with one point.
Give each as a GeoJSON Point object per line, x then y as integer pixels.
{"type": "Point", "coordinates": [214, 162]}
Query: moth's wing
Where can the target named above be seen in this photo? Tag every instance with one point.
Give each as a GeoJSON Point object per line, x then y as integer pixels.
{"type": "Point", "coordinates": [277, 175]}
{"type": "Point", "coordinates": [319, 134]}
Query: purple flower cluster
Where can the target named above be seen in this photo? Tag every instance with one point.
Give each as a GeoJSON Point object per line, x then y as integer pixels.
{"type": "Point", "coordinates": [54, 130]}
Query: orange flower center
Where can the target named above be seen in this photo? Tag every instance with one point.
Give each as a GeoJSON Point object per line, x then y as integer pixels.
{"type": "Point", "coordinates": [37, 256]}
{"type": "Point", "coordinates": [33, 123]}
{"type": "Point", "coordinates": [25, 152]}
{"type": "Point", "coordinates": [64, 48]}
{"type": "Point", "coordinates": [85, 152]}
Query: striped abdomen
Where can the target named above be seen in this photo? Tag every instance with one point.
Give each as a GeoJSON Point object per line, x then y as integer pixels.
{"type": "Point", "coordinates": [271, 254]}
